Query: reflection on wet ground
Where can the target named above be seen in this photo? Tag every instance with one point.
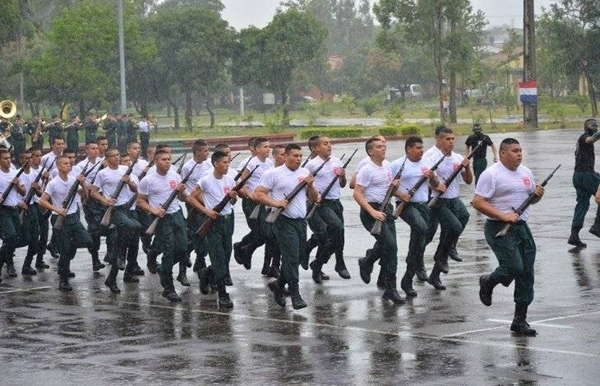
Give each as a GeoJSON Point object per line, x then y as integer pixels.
{"type": "Point", "coordinates": [346, 336]}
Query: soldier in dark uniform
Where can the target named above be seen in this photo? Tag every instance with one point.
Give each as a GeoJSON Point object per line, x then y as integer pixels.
{"type": "Point", "coordinates": [55, 129]}
{"type": "Point", "coordinates": [479, 158]}
{"type": "Point", "coordinates": [17, 139]}
{"type": "Point", "coordinates": [72, 130]}
{"type": "Point", "coordinates": [122, 135]}
{"type": "Point", "coordinates": [35, 129]}
{"type": "Point", "coordinates": [90, 126]}
{"type": "Point", "coordinates": [132, 128]}
{"type": "Point", "coordinates": [111, 131]}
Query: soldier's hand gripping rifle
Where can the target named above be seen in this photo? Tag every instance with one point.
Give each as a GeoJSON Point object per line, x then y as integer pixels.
{"type": "Point", "coordinates": [60, 220]}
{"type": "Point", "coordinates": [108, 214]}
{"type": "Point", "coordinates": [376, 229]}
{"type": "Point", "coordinates": [208, 224]}
{"type": "Point", "coordinates": [142, 175]}
{"type": "Point", "coordinates": [452, 176]}
{"type": "Point", "coordinates": [413, 190]}
{"type": "Point", "coordinates": [12, 183]}
{"type": "Point", "coordinates": [313, 206]}
{"type": "Point", "coordinates": [528, 201]}
{"type": "Point", "coordinates": [31, 191]}
{"type": "Point", "coordinates": [275, 212]}
{"type": "Point", "coordinates": [152, 228]}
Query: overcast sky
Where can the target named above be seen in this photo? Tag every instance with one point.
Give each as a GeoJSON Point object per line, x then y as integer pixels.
{"type": "Point", "coordinates": [243, 13]}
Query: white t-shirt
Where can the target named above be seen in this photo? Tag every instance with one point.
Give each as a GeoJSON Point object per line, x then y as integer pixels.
{"type": "Point", "coordinates": [49, 161]}
{"type": "Point", "coordinates": [506, 189]}
{"type": "Point", "coordinates": [445, 169]}
{"type": "Point", "coordinates": [92, 168]}
{"type": "Point", "coordinates": [198, 172]}
{"type": "Point", "coordinates": [280, 181]}
{"type": "Point", "coordinates": [158, 189]}
{"type": "Point", "coordinates": [27, 180]}
{"type": "Point", "coordinates": [139, 167]}
{"type": "Point", "coordinates": [252, 183]}
{"type": "Point", "coordinates": [58, 190]}
{"type": "Point", "coordinates": [107, 180]}
{"type": "Point", "coordinates": [5, 180]}
{"type": "Point", "coordinates": [326, 175]}
{"type": "Point", "coordinates": [375, 179]}
{"type": "Point", "coordinates": [412, 173]}
{"type": "Point", "coordinates": [214, 190]}
{"type": "Point", "coordinates": [365, 161]}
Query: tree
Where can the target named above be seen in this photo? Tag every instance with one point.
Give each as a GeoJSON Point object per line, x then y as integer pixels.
{"type": "Point", "coordinates": [195, 44]}
{"type": "Point", "coordinates": [449, 29]}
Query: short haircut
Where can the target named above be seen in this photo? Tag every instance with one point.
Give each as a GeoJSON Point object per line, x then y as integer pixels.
{"type": "Point", "coordinates": [111, 150]}
{"type": "Point", "coordinates": [160, 152]}
{"type": "Point", "coordinates": [251, 142]}
{"type": "Point", "coordinates": [56, 138]}
{"type": "Point", "coordinates": [4, 151]}
{"type": "Point", "coordinates": [412, 141]}
{"type": "Point", "coordinates": [100, 138]}
{"type": "Point", "coordinates": [198, 144]}
{"type": "Point", "coordinates": [259, 141]}
{"type": "Point", "coordinates": [221, 147]}
{"type": "Point", "coordinates": [162, 146]}
{"type": "Point", "coordinates": [313, 141]}
{"type": "Point", "coordinates": [506, 142]}
{"type": "Point", "coordinates": [292, 146]}
{"type": "Point", "coordinates": [130, 144]}
{"type": "Point", "coordinates": [370, 142]}
{"type": "Point", "coordinates": [277, 147]}
{"type": "Point", "coordinates": [70, 151]}
{"type": "Point", "coordinates": [589, 122]}
{"type": "Point", "coordinates": [443, 131]}
{"type": "Point", "coordinates": [217, 156]}
{"type": "Point", "coordinates": [438, 129]}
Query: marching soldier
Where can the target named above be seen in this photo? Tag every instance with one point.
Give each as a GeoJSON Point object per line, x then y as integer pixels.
{"type": "Point", "coordinates": [55, 129]}
{"type": "Point", "coordinates": [17, 138]}
{"type": "Point", "coordinates": [90, 127]}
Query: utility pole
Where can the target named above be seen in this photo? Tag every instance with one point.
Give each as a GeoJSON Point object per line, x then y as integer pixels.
{"type": "Point", "coordinates": [122, 59]}
{"type": "Point", "coordinates": [530, 110]}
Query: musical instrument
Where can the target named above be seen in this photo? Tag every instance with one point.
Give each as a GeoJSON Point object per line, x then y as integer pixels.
{"type": "Point", "coordinates": [7, 109]}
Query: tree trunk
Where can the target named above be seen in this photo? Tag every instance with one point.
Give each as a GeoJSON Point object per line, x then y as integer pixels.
{"type": "Point", "coordinates": [210, 112]}
{"type": "Point", "coordinates": [188, 111]}
{"type": "Point", "coordinates": [452, 80]}
{"type": "Point", "coordinates": [437, 57]}
{"type": "Point", "coordinates": [592, 93]}
{"type": "Point", "coordinates": [285, 110]}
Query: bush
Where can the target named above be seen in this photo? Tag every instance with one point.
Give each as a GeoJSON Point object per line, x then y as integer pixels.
{"type": "Point", "coordinates": [389, 131]}
{"type": "Point", "coordinates": [410, 129]}
{"type": "Point", "coordinates": [331, 133]}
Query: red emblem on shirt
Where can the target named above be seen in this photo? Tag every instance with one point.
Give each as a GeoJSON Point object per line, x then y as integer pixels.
{"type": "Point", "coordinates": [526, 182]}
{"type": "Point", "coordinates": [456, 165]}
{"type": "Point", "coordinates": [424, 169]}
{"type": "Point", "coordinates": [173, 184]}
{"type": "Point", "coordinates": [227, 189]}
{"type": "Point", "coordinates": [300, 179]}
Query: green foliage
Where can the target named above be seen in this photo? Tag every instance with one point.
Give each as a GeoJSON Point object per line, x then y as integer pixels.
{"type": "Point", "coordinates": [395, 115]}
{"type": "Point", "coordinates": [371, 104]}
{"type": "Point", "coordinates": [410, 129]}
{"type": "Point", "coordinates": [331, 133]}
{"type": "Point", "coordinates": [581, 101]}
{"type": "Point", "coordinates": [349, 102]}
{"type": "Point", "coordinates": [556, 111]}
{"type": "Point", "coordinates": [274, 121]}
{"type": "Point", "coordinates": [389, 131]}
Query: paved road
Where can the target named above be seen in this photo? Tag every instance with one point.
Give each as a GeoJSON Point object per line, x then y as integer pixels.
{"type": "Point", "coordinates": [346, 336]}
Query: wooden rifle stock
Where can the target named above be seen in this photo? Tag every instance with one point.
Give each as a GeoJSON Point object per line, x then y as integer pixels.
{"type": "Point", "coordinates": [525, 205]}
{"type": "Point", "coordinates": [275, 212]}
{"type": "Point", "coordinates": [208, 224]}
{"type": "Point", "coordinates": [419, 183]}
{"type": "Point", "coordinates": [376, 229]}
{"type": "Point", "coordinates": [60, 220]}
{"type": "Point", "coordinates": [152, 228]}
{"type": "Point", "coordinates": [315, 205]}
{"type": "Point", "coordinates": [452, 176]}
{"type": "Point", "coordinates": [108, 214]}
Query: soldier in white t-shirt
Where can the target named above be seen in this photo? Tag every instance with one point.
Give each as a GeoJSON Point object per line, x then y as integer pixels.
{"type": "Point", "coordinates": [290, 227]}
{"type": "Point", "coordinates": [372, 183]}
{"type": "Point", "coordinates": [170, 237]}
{"type": "Point", "coordinates": [502, 187]}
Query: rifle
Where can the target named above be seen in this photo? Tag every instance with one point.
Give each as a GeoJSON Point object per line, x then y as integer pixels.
{"type": "Point", "coordinates": [275, 212]}
{"type": "Point", "coordinates": [234, 156]}
{"type": "Point", "coordinates": [524, 205]}
{"type": "Point", "coordinates": [343, 155]}
{"type": "Point", "coordinates": [208, 224]}
{"type": "Point", "coordinates": [152, 228]}
{"type": "Point", "coordinates": [237, 176]}
{"type": "Point", "coordinates": [452, 176]}
{"type": "Point", "coordinates": [108, 214]}
{"type": "Point", "coordinates": [31, 191]}
{"type": "Point", "coordinates": [60, 220]}
{"type": "Point", "coordinates": [12, 184]}
{"type": "Point", "coordinates": [142, 175]}
{"type": "Point", "coordinates": [182, 158]}
{"type": "Point", "coordinates": [315, 205]}
{"type": "Point", "coordinates": [376, 229]}
{"type": "Point", "coordinates": [419, 183]}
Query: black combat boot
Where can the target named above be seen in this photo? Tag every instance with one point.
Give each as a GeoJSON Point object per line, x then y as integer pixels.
{"type": "Point", "coordinates": [381, 283]}
{"type": "Point", "coordinates": [407, 283]}
{"type": "Point", "coordinates": [365, 266]}
{"type": "Point", "coordinates": [10, 268]}
{"type": "Point", "coordinates": [266, 264]}
{"type": "Point", "coordinates": [453, 253]}
{"type": "Point", "coordinates": [574, 238]}
{"type": "Point", "coordinates": [519, 324]}
{"type": "Point", "coordinates": [391, 292]}
{"type": "Point", "coordinates": [169, 289]}
{"type": "Point", "coordinates": [224, 300]}
{"type": "Point", "coordinates": [63, 284]}
{"type": "Point", "coordinates": [27, 270]}
{"type": "Point", "coordinates": [111, 280]}
{"type": "Point", "coordinates": [434, 278]}
{"type": "Point", "coordinates": [274, 271]}
{"type": "Point", "coordinates": [204, 276]}
{"type": "Point", "coordinates": [340, 265]}
{"type": "Point", "coordinates": [97, 264]}
{"type": "Point", "coordinates": [595, 229]}
{"type": "Point", "coordinates": [486, 287]}
{"type": "Point", "coordinates": [129, 275]}
{"type": "Point", "coordinates": [277, 286]}
{"type": "Point", "coordinates": [199, 264]}
{"type": "Point", "coordinates": [441, 258]}
{"type": "Point", "coordinates": [151, 264]}
{"type": "Point", "coordinates": [316, 271]}
{"type": "Point", "coordinates": [297, 302]}
{"type": "Point", "coordinates": [39, 262]}
{"type": "Point", "coordinates": [182, 277]}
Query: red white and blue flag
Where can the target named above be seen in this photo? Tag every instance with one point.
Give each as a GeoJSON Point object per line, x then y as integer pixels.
{"type": "Point", "coordinates": [528, 92]}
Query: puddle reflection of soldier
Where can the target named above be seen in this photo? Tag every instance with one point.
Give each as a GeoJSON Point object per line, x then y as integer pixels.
{"type": "Point", "coordinates": [585, 181]}
{"type": "Point", "coordinates": [502, 187]}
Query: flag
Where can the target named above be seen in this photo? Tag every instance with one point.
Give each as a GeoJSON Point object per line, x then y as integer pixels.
{"type": "Point", "coordinates": [528, 92]}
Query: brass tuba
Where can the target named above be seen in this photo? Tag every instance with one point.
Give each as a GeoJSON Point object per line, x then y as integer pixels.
{"type": "Point", "coordinates": [7, 109]}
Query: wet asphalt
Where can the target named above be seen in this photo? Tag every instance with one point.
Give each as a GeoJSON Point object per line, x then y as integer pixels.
{"type": "Point", "coordinates": [346, 336]}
